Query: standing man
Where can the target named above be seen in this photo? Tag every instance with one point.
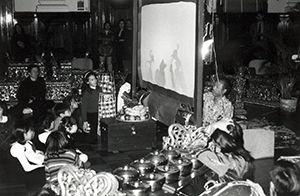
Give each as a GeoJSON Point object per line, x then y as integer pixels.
{"type": "Point", "coordinates": [128, 35]}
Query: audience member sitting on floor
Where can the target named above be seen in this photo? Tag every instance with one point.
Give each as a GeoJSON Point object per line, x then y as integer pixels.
{"type": "Point", "coordinates": [46, 124]}
{"type": "Point", "coordinates": [68, 125]}
{"type": "Point", "coordinates": [30, 159]}
{"type": "Point", "coordinates": [31, 94]}
{"type": "Point", "coordinates": [285, 179]}
{"type": "Point", "coordinates": [60, 110]}
{"type": "Point", "coordinates": [73, 102]}
{"type": "Point", "coordinates": [226, 157]}
{"type": "Point", "coordinates": [216, 105]}
{"type": "Point", "coordinates": [58, 154]}
{"type": "Point", "coordinates": [23, 149]}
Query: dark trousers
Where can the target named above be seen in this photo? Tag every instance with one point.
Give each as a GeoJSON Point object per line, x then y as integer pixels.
{"type": "Point", "coordinates": [92, 119]}
{"type": "Point", "coordinates": [119, 57]}
{"type": "Point", "coordinates": [35, 180]}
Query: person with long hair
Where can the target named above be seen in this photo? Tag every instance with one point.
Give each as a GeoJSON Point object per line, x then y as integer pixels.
{"type": "Point", "coordinates": [68, 125]}
{"type": "Point", "coordinates": [285, 179]}
{"type": "Point", "coordinates": [58, 154]}
{"type": "Point", "coordinates": [227, 155]}
{"type": "Point", "coordinates": [226, 158]}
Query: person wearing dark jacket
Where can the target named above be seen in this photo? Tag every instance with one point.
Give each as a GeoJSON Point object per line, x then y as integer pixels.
{"type": "Point", "coordinates": [31, 94]}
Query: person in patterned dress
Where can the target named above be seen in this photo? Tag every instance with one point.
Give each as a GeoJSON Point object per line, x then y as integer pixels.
{"type": "Point", "coordinates": [216, 105]}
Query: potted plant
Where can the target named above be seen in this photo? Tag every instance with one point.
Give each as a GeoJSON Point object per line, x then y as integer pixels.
{"type": "Point", "coordinates": [284, 69]}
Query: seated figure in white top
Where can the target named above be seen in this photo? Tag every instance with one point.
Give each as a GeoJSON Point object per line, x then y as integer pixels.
{"type": "Point", "coordinates": [24, 150]}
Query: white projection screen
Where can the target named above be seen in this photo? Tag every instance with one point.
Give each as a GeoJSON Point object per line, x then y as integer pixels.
{"type": "Point", "coordinates": [168, 45]}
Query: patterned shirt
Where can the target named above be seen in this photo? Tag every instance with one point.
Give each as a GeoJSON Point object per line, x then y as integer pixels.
{"type": "Point", "coordinates": [213, 112]}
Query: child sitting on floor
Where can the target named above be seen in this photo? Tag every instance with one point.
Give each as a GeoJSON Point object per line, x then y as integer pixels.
{"type": "Point", "coordinates": [46, 125]}
{"type": "Point", "coordinates": [69, 126]}
{"type": "Point", "coordinates": [30, 159]}
{"type": "Point", "coordinates": [74, 103]}
{"type": "Point", "coordinates": [24, 150]}
{"type": "Point", "coordinates": [58, 154]}
{"type": "Point", "coordinates": [61, 110]}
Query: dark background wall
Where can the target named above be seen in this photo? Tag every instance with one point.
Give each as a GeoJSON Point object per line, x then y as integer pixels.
{"type": "Point", "coordinates": [67, 35]}
{"type": "Point", "coordinates": [70, 35]}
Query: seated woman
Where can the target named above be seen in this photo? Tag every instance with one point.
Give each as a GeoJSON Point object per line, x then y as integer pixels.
{"type": "Point", "coordinates": [285, 179]}
{"type": "Point", "coordinates": [226, 157]}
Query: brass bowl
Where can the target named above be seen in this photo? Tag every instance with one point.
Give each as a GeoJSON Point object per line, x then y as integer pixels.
{"type": "Point", "coordinates": [171, 153]}
{"type": "Point", "coordinates": [184, 165]}
{"type": "Point", "coordinates": [137, 188]}
{"type": "Point", "coordinates": [156, 158]}
{"type": "Point", "coordinates": [144, 166]}
{"type": "Point", "coordinates": [171, 173]}
{"type": "Point", "coordinates": [126, 174]}
{"type": "Point", "coordinates": [155, 180]}
{"type": "Point", "coordinates": [195, 162]}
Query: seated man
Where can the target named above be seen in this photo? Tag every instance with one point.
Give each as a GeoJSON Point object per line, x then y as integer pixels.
{"type": "Point", "coordinates": [31, 94]}
{"type": "Point", "coordinates": [216, 105]}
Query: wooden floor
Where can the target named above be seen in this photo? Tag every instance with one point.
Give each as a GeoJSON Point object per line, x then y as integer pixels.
{"type": "Point", "coordinates": [11, 182]}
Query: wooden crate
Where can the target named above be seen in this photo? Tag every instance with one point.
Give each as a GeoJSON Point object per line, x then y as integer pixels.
{"type": "Point", "coordinates": [121, 136]}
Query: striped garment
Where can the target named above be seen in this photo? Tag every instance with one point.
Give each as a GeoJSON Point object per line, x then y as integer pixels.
{"type": "Point", "coordinates": [53, 164]}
